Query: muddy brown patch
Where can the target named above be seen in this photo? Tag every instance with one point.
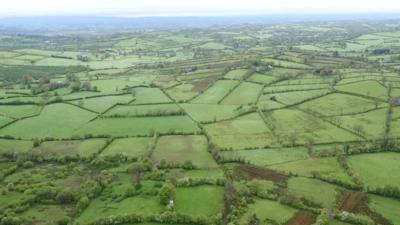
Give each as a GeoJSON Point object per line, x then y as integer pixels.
{"type": "Point", "coordinates": [302, 218]}
{"type": "Point", "coordinates": [202, 85]}
{"type": "Point", "coordinates": [254, 172]}
{"type": "Point", "coordinates": [357, 202]}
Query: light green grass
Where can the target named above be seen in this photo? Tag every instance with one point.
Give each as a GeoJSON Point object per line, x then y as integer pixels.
{"type": "Point", "coordinates": [317, 191]}
{"type": "Point", "coordinates": [366, 88]}
{"type": "Point", "coordinates": [387, 207]}
{"type": "Point", "coordinates": [245, 93]}
{"type": "Point", "coordinates": [84, 148]}
{"type": "Point", "coordinates": [326, 167]}
{"type": "Point", "coordinates": [247, 131]}
{"type": "Point", "coordinates": [101, 104]}
{"type": "Point", "coordinates": [267, 209]}
{"type": "Point", "coordinates": [216, 92]}
{"type": "Point", "coordinates": [200, 200]}
{"type": "Point", "coordinates": [236, 74]}
{"type": "Point", "coordinates": [213, 112]}
{"type": "Point", "coordinates": [150, 95]}
{"type": "Point", "coordinates": [339, 104]}
{"type": "Point", "coordinates": [130, 147]}
{"type": "Point", "coordinates": [377, 170]}
{"type": "Point", "coordinates": [10, 146]}
{"type": "Point", "coordinates": [139, 126]}
{"type": "Point", "coordinates": [178, 149]}
{"type": "Point", "coordinates": [297, 127]}
{"type": "Point", "coordinates": [265, 157]}
{"type": "Point", "coordinates": [56, 120]}
{"type": "Point", "coordinates": [142, 205]}
{"type": "Point", "coordinates": [143, 110]}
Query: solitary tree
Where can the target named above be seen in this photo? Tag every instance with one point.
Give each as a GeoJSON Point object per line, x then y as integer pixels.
{"type": "Point", "coordinates": [137, 170]}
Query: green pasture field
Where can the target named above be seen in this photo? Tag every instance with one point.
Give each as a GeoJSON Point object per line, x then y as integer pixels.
{"type": "Point", "coordinates": [46, 214]}
{"type": "Point", "coordinates": [325, 167]}
{"type": "Point", "coordinates": [200, 201]}
{"type": "Point", "coordinates": [217, 92]}
{"type": "Point", "coordinates": [84, 149]}
{"type": "Point", "coordinates": [5, 120]}
{"type": "Point", "coordinates": [279, 72]}
{"type": "Point", "coordinates": [50, 123]}
{"type": "Point", "coordinates": [131, 147]}
{"type": "Point", "coordinates": [293, 97]}
{"type": "Point", "coordinates": [286, 64]}
{"type": "Point", "coordinates": [120, 127]}
{"type": "Point", "coordinates": [110, 86]}
{"type": "Point", "coordinates": [267, 157]}
{"type": "Point", "coordinates": [149, 96]}
{"type": "Point", "coordinates": [277, 212]}
{"type": "Point", "coordinates": [366, 88]}
{"type": "Point", "coordinates": [370, 124]}
{"type": "Point", "coordinates": [316, 191]}
{"type": "Point", "coordinates": [8, 54]}
{"type": "Point", "coordinates": [179, 149]}
{"type": "Point", "coordinates": [247, 131]}
{"type": "Point", "coordinates": [306, 80]}
{"type": "Point", "coordinates": [182, 92]}
{"type": "Point", "coordinates": [387, 207]}
{"type": "Point", "coordinates": [340, 104]}
{"type": "Point", "coordinates": [214, 46]}
{"type": "Point", "coordinates": [143, 110]}
{"type": "Point", "coordinates": [101, 104]}
{"type": "Point", "coordinates": [294, 87]}
{"type": "Point", "coordinates": [371, 167]}
{"type": "Point", "coordinates": [213, 112]}
{"type": "Point", "coordinates": [245, 94]}
{"type": "Point", "coordinates": [11, 146]}
{"type": "Point", "coordinates": [310, 48]}
{"type": "Point", "coordinates": [297, 127]}
{"type": "Point", "coordinates": [236, 74]}
{"type": "Point", "coordinates": [261, 78]}
{"type": "Point", "coordinates": [98, 208]}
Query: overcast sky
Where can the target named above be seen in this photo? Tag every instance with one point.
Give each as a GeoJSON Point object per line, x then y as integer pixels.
{"type": "Point", "coordinates": [190, 7]}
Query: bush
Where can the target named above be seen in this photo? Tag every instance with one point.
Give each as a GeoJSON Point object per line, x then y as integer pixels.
{"type": "Point", "coordinates": [166, 193]}
{"type": "Point", "coordinates": [82, 204]}
{"type": "Point", "coordinates": [65, 197]}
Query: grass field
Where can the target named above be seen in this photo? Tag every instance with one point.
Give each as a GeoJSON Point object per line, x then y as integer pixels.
{"type": "Point", "coordinates": [118, 127]}
{"type": "Point", "coordinates": [50, 123]}
{"type": "Point", "coordinates": [387, 207]}
{"type": "Point", "coordinates": [325, 167]}
{"type": "Point", "coordinates": [200, 201]}
{"type": "Point", "coordinates": [316, 191]}
{"type": "Point", "coordinates": [19, 111]}
{"type": "Point", "coordinates": [236, 74]}
{"type": "Point", "coordinates": [101, 104]}
{"type": "Point", "coordinates": [297, 127]}
{"type": "Point", "coordinates": [83, 149]}
{"type": "Point", "coordinates": [277, 212]}
{"type": "Point", "coordinates": [179, 149]}
{"type": "Point", "coordinates": [244, 94]}
{"type": "Point", "coordinates": [365, 88]}
{"type": "Point", "coordinates": [212, 112]}
{"type": "Point", "coordinates": [216, 92]}
{"type": "Point", "coordinates": [272, 156]}
{"type": "Point", "coordinates": [142, 110]}
{"type": "Point", "coordinates": [370, 168]}
{"type": "Point", "coordinates": [340, 104]}
{"type": "Point", "coordinates": [247, 131]}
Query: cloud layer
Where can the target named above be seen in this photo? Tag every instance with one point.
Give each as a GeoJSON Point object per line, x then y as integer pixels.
{"type": "Point", "coordinates": [190, 7]}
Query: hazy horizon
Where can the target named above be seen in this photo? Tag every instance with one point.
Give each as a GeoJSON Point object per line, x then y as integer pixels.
{"type": "Point", "coordinates": [143, 8]}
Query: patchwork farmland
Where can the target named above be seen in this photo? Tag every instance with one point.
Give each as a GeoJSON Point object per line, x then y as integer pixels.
{"type": "Point", "coordinates": [237, 125]}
